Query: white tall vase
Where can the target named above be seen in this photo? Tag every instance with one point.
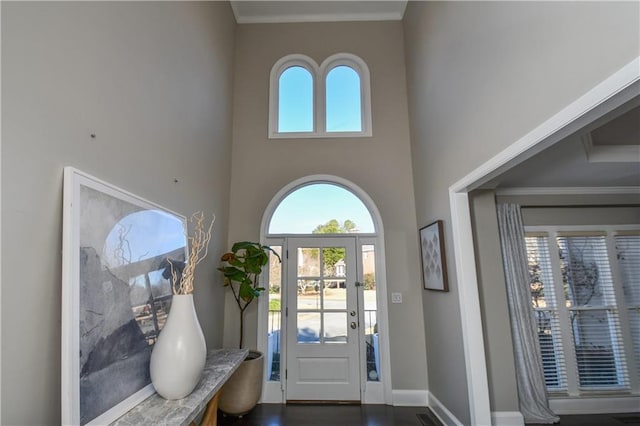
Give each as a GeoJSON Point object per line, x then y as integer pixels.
{"type": "Point", "coordinates": [178, 357]}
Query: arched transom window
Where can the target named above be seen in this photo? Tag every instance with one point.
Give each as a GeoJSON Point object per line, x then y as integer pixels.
{"type": "Point", "coordinates": [330, 100]}
{"type": "Point", "coordinates": [321, 208]}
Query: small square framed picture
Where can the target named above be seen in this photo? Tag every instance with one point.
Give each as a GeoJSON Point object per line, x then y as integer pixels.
{"type": "Point", "coordinates": [434, 262]}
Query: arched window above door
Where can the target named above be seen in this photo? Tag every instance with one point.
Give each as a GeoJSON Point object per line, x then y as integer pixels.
{"type": "Point", "coordinates": [321, 208]}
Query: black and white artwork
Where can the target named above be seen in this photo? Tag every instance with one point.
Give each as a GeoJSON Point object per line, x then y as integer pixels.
{"type": "Point", "coordinates": [434, 265]}
{"type": "Point", "coordinates": [116, 295]}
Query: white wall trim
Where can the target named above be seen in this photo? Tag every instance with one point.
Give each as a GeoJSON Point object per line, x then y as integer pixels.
{"type": "Point", "coordinates": [595, 405]}
{"type": "Point", "coordinates": [325, 17]}
{"type": "Point", "coordinates": [442, 412]}
{"type": "Point", "coordinates": [410, 398]}
{"type": "Point", "coordinates": [606, 95]}
{"type": "Point", "coordinates": [507, 418]}
{"type": "Point", "coordinates": [0, 222]}
{"type": "Point", "coordinates": [271, 392]}
{"type": "Point", "coordinates": [471, 319]}
{"type": "Point", "coordinates": [613, 190]}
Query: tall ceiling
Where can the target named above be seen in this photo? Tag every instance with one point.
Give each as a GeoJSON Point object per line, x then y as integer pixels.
{"type": "Point", "coordinates": [266, 11]}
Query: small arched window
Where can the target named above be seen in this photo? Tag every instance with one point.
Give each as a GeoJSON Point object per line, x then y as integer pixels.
{"type": "Point", "coordinates": [343, 100]}
{"type": "Point", "coordinates": [330, 100]}
{"type": "Point", "coordinates": [295, 100]}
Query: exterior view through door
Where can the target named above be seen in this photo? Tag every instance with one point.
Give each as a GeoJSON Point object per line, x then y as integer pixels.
{"type": "Point", "coordinates": [322, 320]}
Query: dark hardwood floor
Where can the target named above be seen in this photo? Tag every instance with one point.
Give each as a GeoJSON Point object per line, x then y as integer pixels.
{"type": "Point", "coordinates": [382, 415]}
{"type": "Point", "coordinates": [327, 415]}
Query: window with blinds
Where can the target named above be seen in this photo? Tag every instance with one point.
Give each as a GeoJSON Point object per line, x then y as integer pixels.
{"type": "Point", "coordinates": [628, 256]}
{"type": "Point", "coordinates": [546, 311]}
{"type": "Point", "coordinates": [585, 291]}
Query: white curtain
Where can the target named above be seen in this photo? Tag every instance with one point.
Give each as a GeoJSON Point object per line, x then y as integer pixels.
{"type": "Point", "coordinates": [532, 391]}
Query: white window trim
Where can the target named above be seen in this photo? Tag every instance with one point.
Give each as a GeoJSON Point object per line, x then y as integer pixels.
{"type": "Point", "coordinates": [319, 74]}
{"type": "Point", "coordinates": [294, 60]}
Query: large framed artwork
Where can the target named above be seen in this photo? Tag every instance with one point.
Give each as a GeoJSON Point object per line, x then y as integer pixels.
{"type": "Point", "coordinates": [434, 262]}
{"type": "Point", "coordinates": [116, 294]}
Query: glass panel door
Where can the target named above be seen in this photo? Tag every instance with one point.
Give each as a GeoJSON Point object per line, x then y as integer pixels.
{"type": "Point", "coordinates": [323, 347]}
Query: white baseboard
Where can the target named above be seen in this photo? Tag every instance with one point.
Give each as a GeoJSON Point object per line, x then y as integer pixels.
{"type": "Point", "coordinates": [442, 412]}
{"type": "Point", "coordinates": [507, 418]}
{"type": "Point", "coordinates": [595, 405]}
{"type": "Point", "coordinates": [409, 398]}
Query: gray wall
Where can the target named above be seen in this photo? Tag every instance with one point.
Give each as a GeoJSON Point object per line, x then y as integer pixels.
{"type": "Point", "coordinates": [480, 76]}
{"type": "Point", "coordinates": [153, 82]}
{"type": "Point", "coordinates": [380, 165]}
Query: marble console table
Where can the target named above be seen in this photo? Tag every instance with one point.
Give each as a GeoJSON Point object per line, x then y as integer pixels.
{"type": "Point", "coordinates": [155, 410]}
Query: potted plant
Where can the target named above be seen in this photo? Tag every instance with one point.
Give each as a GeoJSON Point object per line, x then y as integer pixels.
{"type": "Point", "coordinates": [242, 269]}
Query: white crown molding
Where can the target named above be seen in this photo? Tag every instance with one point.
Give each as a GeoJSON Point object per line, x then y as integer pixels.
{"type": "Point", "coordinates": [328, 12]}
{"type": "Point", "coordinates": [234, 9]}
{"type": "Point", "coordinates": [329, 17]}
{"type": "Point", "coordinates": [611, 190]}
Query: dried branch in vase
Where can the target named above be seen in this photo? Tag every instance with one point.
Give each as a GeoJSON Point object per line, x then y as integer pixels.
{"type": "Point", "coordinates": [182, 283]}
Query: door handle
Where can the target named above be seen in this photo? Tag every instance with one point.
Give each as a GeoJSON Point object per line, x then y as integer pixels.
{"type": "Point", "coordinates": [352, 313]}
{"type": "Point", "coordinates": [354, 325]}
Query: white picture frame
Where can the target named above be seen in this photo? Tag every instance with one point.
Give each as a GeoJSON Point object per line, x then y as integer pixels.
{"type": "Point", "coordinates": [116, 294]}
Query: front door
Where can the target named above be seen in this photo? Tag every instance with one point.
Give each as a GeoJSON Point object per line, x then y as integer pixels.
{"type": "Point", "coordinates": [322, 320]}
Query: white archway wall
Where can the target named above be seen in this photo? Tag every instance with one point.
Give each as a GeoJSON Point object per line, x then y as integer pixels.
{"type": "Point", "coordinates": [457, 124]}
{"type": "Point", "coordinates": [380, 165]}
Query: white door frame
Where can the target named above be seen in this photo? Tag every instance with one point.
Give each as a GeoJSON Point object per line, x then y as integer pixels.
{"type": "Point", "coordinates": [345, 388]}
{"type": "Point", "coordinates": [614, 91]}
{"type": "Point", "coordinates": [373, 392]}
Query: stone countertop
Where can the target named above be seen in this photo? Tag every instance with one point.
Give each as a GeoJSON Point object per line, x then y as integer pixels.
{"type": "Point", "coordinates": [155, 410]}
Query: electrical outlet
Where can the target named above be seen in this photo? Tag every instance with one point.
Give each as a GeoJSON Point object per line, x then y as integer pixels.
{"type": "Point", "coordinates": [396, 297]}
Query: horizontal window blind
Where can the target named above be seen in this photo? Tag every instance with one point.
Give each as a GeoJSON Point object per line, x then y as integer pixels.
{"type": "Point", "coordinates": [545, 306]}
{"type": "Point", "coordinates": [581, 291]}
{"type": "Point", "coordinates": [598, 346]}
{"type": "Point", "coordinates": [553, 363]}
{"type": "Point", "coordinates": [628, 255]}
{"type": "Point", "coordinates": [595, 323]}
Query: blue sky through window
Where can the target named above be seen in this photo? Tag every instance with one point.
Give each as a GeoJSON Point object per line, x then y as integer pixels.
{"type": "Point", "coordinates": [295, 101]}
{"type": "Point", "coordinates": [343, 110]}
{"type": "Point", "coordinates": [312, 205]}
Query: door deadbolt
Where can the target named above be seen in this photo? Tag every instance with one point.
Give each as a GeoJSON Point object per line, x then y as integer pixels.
{"type": "Point", "coordinates": [352, 313]}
